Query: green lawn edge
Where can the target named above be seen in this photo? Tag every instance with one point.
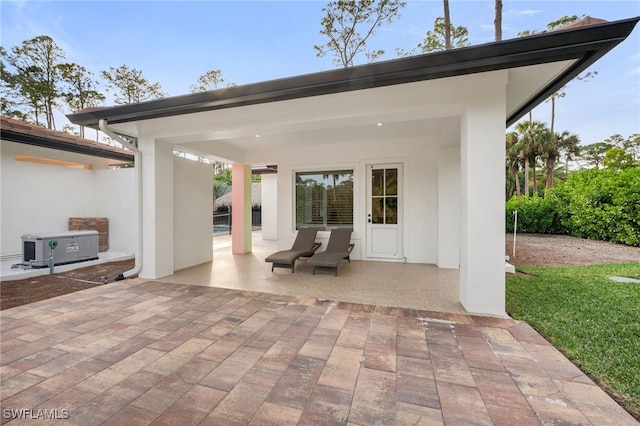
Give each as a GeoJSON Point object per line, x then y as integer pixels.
{"type": "Point", "coordinates": [593, 320]}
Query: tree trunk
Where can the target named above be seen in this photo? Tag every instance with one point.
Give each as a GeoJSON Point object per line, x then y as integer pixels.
{"type": "Point", "coordinates": [526, 177]}
{"type": "Point", "coordinates": [553, 113]}
{"type": "Point", "coordinates": [48, 111]}
{"type": "Point", "coordinates": [447, 26]}
{"type": "Point", "coordinates": [551, 162]}
{"type": "Point", "coordinates": [516, 179]}
{"type": "Point", "coordinates": [497, 23]}
{"type": "Point", "coordinates": [535, 177]}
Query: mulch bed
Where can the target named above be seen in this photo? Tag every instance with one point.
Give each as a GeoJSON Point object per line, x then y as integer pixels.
{"type": "Point", "coordinates": [564, 250]}
{"type": "Point", "coordinates": [21, 292]}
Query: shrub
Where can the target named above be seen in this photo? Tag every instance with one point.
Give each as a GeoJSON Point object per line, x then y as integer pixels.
{"type": "Point", "coordinates": [595, 204]}
{"type": "Point", "coordinates": [536, 214]}
{"type": "Point", "coordinates": [603, 205]}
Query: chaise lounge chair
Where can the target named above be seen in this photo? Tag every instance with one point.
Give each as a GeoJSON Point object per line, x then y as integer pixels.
{"type": "Point", "coordinates": [338, 248]}
{"type": "Point", "coordinates": [303, 246]}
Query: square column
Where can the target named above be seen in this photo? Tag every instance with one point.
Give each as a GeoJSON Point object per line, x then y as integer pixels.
{"type": "Point", "coordinates": [241, 208]}
{"type": "Point", "coordinates": [269, 196]}
{"type": "Point", "coordinates": [449, 207]}
{"type": "Point", "coordinates": [157, 208]}
{"type": "Point", "coordinates": [482, 219]}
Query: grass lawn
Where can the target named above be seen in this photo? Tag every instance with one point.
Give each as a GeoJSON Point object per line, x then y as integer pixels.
{"type": "Point", "coordinates": [593, 320]}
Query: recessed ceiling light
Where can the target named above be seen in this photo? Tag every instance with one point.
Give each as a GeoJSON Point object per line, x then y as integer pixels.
{"type": "Point", "coordinates": [379, 124]}
{"type": "Point", "coordinates": [257, 136]}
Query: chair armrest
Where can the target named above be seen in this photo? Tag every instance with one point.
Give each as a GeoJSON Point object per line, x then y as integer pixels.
{"type": "Point", "coordinates": [315, 246]}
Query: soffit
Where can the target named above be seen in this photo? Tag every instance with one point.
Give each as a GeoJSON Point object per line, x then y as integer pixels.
{"type": "Point", "coordinates": [406, 111]}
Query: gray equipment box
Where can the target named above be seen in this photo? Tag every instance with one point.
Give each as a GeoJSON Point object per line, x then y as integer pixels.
{"type": "Point", "coordinates": [73, 246]}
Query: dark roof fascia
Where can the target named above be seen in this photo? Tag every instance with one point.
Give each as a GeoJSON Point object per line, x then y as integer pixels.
{"type": "Point", "coordinates": [18, 137]}
{"type": "Point", "coordinates": [584, 45]}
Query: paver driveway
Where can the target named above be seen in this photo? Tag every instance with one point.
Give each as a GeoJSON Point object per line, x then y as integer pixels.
{"type": "Point", "coordinates": [138, 352]}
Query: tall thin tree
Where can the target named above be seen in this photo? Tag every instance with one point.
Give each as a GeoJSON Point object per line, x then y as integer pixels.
{"type": "Point", "coordinates": [447, 26]}
{"type": "Point", "coordinates": [79, 89]}
{"type": "Point", "coordinates": [497, 22]}
{"type": "Point", "coordinates": [132, 86]}
{"type": "Point", "coordinates": [34, 77]}
{"type": "Point", "coordinates": [350, 23]}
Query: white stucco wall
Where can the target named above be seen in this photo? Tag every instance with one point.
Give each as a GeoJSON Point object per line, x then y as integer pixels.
{"type": "Point", "coordinates": [193, 201]}
{"type": "Point", "coordinates": [269, 197]}
{"type": "Point", "coordinates": [116, 199]}
{"type": "Point", "coordinates": [42, 198]}
{"type": "Point", "coordinates": [420, 159]}
{"type": "Point", "coordinates": [449, 207]}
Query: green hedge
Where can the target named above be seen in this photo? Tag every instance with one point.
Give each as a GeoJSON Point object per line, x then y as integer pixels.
{"type": "Point", "coordinates": [595, 204]}
{"type": "Point", "coordinates": [536, 215]}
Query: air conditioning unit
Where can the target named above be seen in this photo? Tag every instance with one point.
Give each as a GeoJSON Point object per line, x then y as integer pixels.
{"type": "Point", "coordinates": [71, 247]}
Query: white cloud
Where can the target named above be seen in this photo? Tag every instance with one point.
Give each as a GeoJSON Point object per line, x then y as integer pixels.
{"type": "Point", "coordinates": [635, 71]}
{"type": "Point", "coordinates": [529, 12]}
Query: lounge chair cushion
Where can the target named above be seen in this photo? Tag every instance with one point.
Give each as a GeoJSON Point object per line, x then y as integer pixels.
{"type": "Point", "coordinates": [328, 260]}
{"type": "Point", "coordinates": [303, 246]}
{"type": "Point", "coordinates": [338, 248]}
{"type": "Point", "coordinates": [287, 257]}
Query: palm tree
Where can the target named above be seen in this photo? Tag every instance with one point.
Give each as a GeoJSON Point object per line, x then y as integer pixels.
{"type": "Point", "coordinates": [513, 159]}
{"type": "Point", "coordinates": [556, 145]}
{"type": "Point", "coordinates": [532, 137]}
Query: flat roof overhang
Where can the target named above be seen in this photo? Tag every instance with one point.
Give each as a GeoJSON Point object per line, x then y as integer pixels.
{"type": "Point", "coordinates": [582, 46]}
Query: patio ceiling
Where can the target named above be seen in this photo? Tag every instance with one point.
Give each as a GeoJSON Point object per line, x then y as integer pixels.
{"type": "Point", "coordinates": [388, 113]}
{"type": "Point", "coordinates": [408, 96]}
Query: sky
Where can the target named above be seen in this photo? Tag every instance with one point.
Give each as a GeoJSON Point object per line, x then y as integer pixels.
{"type": "Point", "coordinates": [175, 42]}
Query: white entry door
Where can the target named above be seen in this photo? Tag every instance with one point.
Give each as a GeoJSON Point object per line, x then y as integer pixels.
{"type": "Point", "coordinates": [384, 211]}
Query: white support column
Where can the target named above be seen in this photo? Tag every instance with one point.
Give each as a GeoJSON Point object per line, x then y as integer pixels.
{"type": "Point", "coordinates": [449, 207]}
{"type": "Point", "coordinates": [241, 208]}
{"type": "Point", "coordinates": [157, 208]}
{"type": "Point", "coordinates": [482, 231]}
{"type": "Point", "coordinates": [269, 203]}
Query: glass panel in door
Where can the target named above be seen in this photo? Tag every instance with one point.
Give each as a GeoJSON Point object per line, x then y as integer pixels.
{"type": "Point", "coordinates": [384, 196]}
{"type": "Point", "coordinates": [384, 221]}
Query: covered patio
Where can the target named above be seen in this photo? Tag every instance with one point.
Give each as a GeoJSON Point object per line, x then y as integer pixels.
{"type": "Point", "coordinates": [408, 285]}
{"type": "Point", "coordinates": [434, 122]}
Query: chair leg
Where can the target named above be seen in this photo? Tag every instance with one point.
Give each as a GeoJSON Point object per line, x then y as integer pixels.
{"type": "Point", "coordinates": [273, 265]}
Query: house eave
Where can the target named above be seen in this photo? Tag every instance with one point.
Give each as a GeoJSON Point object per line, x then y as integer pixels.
{"type": "Point", "coordinates": [583, 45]}
{"type": "Point", "coordinates": [18, 137]}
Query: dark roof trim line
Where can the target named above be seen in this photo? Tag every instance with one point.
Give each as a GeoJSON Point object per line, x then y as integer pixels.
{"type": "Point", "coordinates": [584, 45]}
{"type": "Point", "coordinates": [26, 139]}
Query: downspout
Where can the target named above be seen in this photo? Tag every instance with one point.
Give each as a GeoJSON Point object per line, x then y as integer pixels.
{"type": "Point", "coordinates": [138, 166]}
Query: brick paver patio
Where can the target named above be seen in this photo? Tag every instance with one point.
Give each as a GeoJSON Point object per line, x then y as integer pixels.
{"type": "Point", "coordinates": [138, 352]}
